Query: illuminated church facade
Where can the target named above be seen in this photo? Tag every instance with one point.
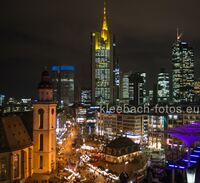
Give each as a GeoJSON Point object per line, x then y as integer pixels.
{"type": "Point", "coordinates": [44, 129]}
{"type": "Point", "coordinates": [28, 140]}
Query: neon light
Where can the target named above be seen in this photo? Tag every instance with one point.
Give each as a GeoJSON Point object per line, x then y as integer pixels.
{"type": "Point", "coordinates": [173, 166]}
{"type": "Point", "coordinates": [191, 161]}
{"type": "Point", "coordinates": [62, 68]}
{"type": "Point", "coordinates": [196, 156]}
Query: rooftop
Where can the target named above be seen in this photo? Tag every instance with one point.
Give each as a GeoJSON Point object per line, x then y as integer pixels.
{"type": "Point", "coordinates": [121, 142]}
{"type": "Point", "coordinates": [189, 133]}
{"type": "Point", "coordinates": [14, 135]}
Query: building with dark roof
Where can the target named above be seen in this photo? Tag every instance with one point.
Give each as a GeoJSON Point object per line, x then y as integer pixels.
{"type": "Point", "coordinates": [44, 131]}
{"type": "Point", "coordinates": [16, 157]}
{"type": "Point", "coordinates": [120, 150]}
{"type": "Point", "coordinates": [28, 140]}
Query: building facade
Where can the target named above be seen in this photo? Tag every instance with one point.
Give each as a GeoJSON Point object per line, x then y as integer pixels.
{"type": "Point", "coordinates": [102, 64]}
{"type": "Point", "coordinates": [182, 72]}
{"type": "Point", "coordinates": [163, 88]}
{"type": "Point", "coordinates": [197, 91]}
{"type": "Point", "coordinates": [86, 97]}
{"type": "Point", "coordinates": [120, 150]}
{"type": "Point", "coordinates": [137, 89]}
{"type": "Point", "coordinates": [12, 105]}
{"type": "Point", "coordinates": [63, 84]}
{"type": "Point", "coordinates": [144, 128]}
{"type": "Point", "coordinates": [117, 82]}
{"type": "Point", "coordinates": [2, 99]}
{"type": "Point", "coordinates": [44, 130]}
{"type": "Point", "coordinates": [16, 150]}
{"type": "Point", "coordinates": [133, 126]}
{"type": "Point", "coordinates": [124, 88]}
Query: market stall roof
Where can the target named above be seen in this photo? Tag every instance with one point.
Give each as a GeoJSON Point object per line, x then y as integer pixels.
{"type": "Point", "coordinates": [189, 133]}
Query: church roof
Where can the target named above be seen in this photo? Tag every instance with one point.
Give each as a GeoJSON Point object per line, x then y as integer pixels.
{"type": "Point", "coordinates": [121, 142]}
{"type": "Point", "coordinates": [14, 134]}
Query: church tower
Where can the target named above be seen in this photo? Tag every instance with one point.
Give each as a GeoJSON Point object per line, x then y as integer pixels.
{"type": "Point", "coordinates": [44, 128]}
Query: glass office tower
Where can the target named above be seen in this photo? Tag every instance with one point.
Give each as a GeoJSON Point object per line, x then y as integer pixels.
{"type": "Point", "coordinates": [182, 72]}
{"type": "Point", "coordinates": [63, 84]}
{"type": "Point", "coordinates": [163, 87]}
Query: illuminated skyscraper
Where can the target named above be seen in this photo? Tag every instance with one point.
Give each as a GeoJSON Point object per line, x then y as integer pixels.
{"type": "Point", "coordinates": [125, 88]}
{"type": "Point", "coordinates": [150, 97]}
{"type": "Point", "coordinates": [163, 87]}
{"type": "Point", "coordinates": [85, 97]}
{"type": "Point", "coordinates": [2, 99]}
{"type": "Point", "coordinates": [116, 90]}
{"type": "Point", "coordinates": [197, 91]}
{"type": "Point", "coordinates": [182, 71]}
{"type": "Point", "coordinates": [144, 87]}
{"type": "Point", "coordinates": [137, 89]}
{"type": "Point", "coordinates": [197, 87]}
{"type": "Point", "coordinates": [102, 64]}
{"type": "Point", "coordinates": [63, 84]}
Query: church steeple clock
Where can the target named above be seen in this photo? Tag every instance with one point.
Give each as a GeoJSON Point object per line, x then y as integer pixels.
{"type": "Point", "coordinates": [44, 128]}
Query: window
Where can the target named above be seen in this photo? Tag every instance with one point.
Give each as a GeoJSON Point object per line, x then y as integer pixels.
{"type": "Point", "coordinates": [23, 163]}
{"type": "Point", "coordinates": [16, 165]}
{"type": "Point", "coordinates": [41, 162]}
{"type": "Point", "coordinates": [3, 169]}
{"type": "Point", "coordinates": [29, 161]}
{"type": "Point", "coordinates": [41, 142]}
{"type": "Point", "coordinates": [52, 119]}
{"type": "Point", "coordinates": [41, 118]}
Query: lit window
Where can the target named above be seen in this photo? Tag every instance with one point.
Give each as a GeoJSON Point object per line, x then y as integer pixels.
{"type": "Point", "coordinates": [16, 165]}
{"type": "Point", "coordinates": [3, 169]}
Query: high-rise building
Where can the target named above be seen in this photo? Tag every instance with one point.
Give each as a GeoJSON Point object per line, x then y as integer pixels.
{"type": "Point", "coordinates": [137, 89]}
{"type": "Point", "coordinates": [86, 96]}
{"type": "Point", "coordinates": [163, 87]}
{"type": "Point", "coordinates": [13, 105]}
{"type": "Point", "coordinates": [2, 100]}
{"type": "Point", "coordinates": [44, 129]}
{"type": "Point", "coordinates": [63, 84]}
{"type": "Point", "coordinates": [197, 91]}
{"type": "Point", "coordinates": [182, 71]}
{"type": "Point", "coordinates": [102, 64]}
{"type": "Point", "coordinates": [150, 97]}
{"type": "Point", "coordinates": [124, 88]}
{"type": "Point", "coordinates": [144, 87]}
{"type": "Point", "coordinates": [155, 93]}
{"type": "Point", "coordinates": [116, 91]}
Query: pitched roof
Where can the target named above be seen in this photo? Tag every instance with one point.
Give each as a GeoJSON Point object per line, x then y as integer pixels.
{"type": "Point", "coordinates": [13, 134]}
{"type": "Point", "coordinates": [121, 142]}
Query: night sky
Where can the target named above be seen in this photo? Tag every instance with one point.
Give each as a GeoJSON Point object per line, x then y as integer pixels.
{"type": "Point", "coordinates": [39, 33]}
